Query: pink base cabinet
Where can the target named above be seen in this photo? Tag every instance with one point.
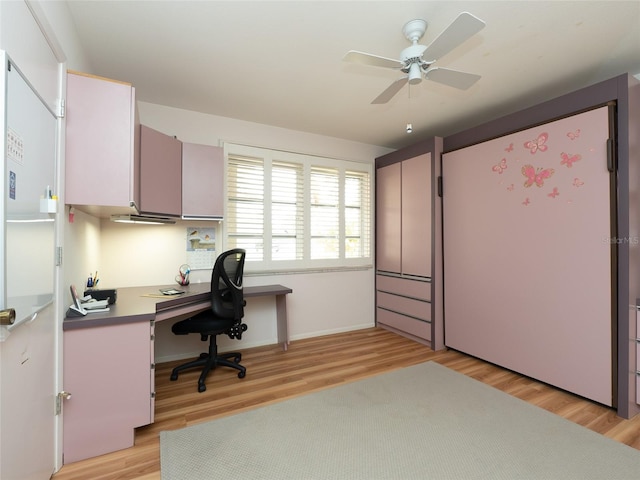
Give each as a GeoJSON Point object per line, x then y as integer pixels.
{"type": "Point", "coordinates": [109, 373]}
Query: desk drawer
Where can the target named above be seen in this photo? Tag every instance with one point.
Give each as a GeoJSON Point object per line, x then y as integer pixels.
{"type": "Point", "coordinates": [404, 286]}
{"type": "Point", "coordinates": [409, 325]}
{"type": "Point", "coordinates": [404, 305]}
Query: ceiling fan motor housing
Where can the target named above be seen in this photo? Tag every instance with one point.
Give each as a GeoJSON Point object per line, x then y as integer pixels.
{"type": "Point", "coordinates": [414, 29]}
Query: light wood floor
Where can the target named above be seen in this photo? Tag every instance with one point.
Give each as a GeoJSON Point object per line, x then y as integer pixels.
{"type": "Point", "coordinates": [314, 364]}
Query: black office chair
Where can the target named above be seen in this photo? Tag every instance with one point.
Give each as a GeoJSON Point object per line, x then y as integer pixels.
{"type": "Point", "coordinates": [224, 317]}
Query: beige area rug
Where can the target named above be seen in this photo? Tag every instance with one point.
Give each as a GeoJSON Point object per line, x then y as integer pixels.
{"type": "Point", "coordinates": [419, 422]}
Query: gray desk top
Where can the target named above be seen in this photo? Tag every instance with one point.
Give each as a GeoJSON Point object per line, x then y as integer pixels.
{"type": "Point", "coordinates": [144, 304]}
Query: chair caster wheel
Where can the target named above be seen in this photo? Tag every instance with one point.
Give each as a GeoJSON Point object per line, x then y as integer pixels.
{"type": "Point", "coordinates": [241, 374]}
{"type": "Point", "coordinates": [237, 359]}
{"type": "Point", "coordinates": [202, 388]}
{"type": "Point", "coordinates": [173, 377]}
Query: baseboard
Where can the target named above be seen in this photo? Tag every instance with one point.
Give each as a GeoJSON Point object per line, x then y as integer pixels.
{"type": "Point", "coordinates": [244, 345]}
{"type": "Point", "coordinates": [332, 331]}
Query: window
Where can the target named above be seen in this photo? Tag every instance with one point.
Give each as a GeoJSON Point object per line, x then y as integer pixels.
{"type": "Point", "coordinates": [325, 213]}
{"type": "Point", "coordinates": [292, 211]}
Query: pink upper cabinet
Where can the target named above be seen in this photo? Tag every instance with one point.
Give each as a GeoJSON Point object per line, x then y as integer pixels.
{"type": "Point", "coordinates": [202, 181]}
{"type": "Point", "coordinates": [101, 159]}
{"type": "Point", "coordinates": [160, 173]}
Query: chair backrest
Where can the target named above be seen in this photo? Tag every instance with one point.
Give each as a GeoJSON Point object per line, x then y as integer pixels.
{"type": "Point", "coordinates": [227, 300]}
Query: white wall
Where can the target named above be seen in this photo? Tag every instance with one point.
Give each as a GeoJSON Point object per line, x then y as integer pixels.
{"type": "Point", "coordinates": [321, 303]}
{"type": "Point", "coordinates": [195, 127]}
{"type": "Point", "coordinates": [139, 255]}
{"type": "Point", "coordinates": [22, 38]}
{"type": "Point", "coordinates": [132, 255]}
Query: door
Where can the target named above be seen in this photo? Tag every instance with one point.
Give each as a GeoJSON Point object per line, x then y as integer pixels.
{"type": "Point", "coordinates": [528, 253]}
{"type": "Point", "coordinates": [28, 347]}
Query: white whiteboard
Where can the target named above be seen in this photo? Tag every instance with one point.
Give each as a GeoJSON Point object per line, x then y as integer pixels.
{"type": "Point", "coordinates": [30, 159]}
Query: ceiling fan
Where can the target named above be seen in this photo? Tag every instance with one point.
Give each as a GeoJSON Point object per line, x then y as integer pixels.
{"type": "Point", "coordinates": [416, 60]}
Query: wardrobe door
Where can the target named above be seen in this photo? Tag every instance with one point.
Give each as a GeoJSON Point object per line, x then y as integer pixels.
{"type": "Point", "coordinates": [416, 216]}
{"type": "Point", "coordinates": [528, 253]}
{"type": "Point", "coordinates": [388, 218]}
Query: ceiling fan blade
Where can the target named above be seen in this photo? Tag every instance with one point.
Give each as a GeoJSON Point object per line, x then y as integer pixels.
{"type": "Point", "coordinates": [461, 29]}
{"type": "Point", "coordinates": [390, 91]}
{"type": "Point", "coordinates": [453, 78]}
{"type": "Point", "coordinates": [372, 60]}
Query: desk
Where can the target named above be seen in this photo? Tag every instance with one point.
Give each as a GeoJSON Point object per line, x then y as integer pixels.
{"type": "Point", "coordinates": [135, 304]}
{"type": "Point", "coordinates": [109, 364]}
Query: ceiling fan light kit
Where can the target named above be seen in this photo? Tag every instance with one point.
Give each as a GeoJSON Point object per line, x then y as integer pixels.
{"type": "Point", "coordinates": [416, 60]}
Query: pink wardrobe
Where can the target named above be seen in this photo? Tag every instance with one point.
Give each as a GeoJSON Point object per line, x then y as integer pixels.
{"type": "Point", "coordinates": [540, 229]}
{"type": "Point", "coordinates": [408, 273]}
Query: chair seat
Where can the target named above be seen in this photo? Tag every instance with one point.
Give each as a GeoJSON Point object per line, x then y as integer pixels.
{"type": "Point", "coordinates": [203, 323]}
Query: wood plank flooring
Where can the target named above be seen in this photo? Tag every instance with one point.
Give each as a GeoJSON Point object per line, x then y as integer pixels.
{"type": "Point", "coordinates": [310, 365]}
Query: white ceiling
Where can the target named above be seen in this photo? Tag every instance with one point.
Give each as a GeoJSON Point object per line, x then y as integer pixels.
{"type": "Point", "coordinates": [280, 63]}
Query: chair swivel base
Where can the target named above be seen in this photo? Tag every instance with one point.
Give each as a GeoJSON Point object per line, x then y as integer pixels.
{"type": "Point", "coordinates": [205, 360]}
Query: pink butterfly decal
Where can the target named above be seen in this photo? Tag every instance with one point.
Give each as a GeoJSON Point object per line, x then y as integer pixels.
{"type": "Point", "coordinates": [526, 202]}
{"type": "Point", "coordinates": [500, 167]}
{"type": "Point", "coordinates": [568, 159]}
{"type": "Point", "coordinates": [554, 193]}
{"type": "Point", "coordinates": [511, 187]}
{"type": "Point", "coordinates": [577, 182]}
{"type": "Point", "coordinates": [536, 176]}
{"type": "Point", "coordinates": [509, 148]}
{"type": "Point", "coordinates": [537, 144]}
{"type": "Point", "coordinates": [574, 135]}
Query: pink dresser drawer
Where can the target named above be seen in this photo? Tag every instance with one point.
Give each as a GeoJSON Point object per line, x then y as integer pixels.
{"type": "Point", "coordinates": [409, 325]}
{"type": "Point", "coordinates": [404, 286]}
{"type": "Point", "coordinates": [407, 306]}
{"type": "Point", "coordinates": [637, 388]}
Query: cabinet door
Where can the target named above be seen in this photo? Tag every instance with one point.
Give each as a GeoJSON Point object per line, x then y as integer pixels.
{"type": "Point", "coordinates": [202, 181]}
{"type": "Point", "coordinates": [388, 218]}
{"type": "Point", "coordinates": [416, 216]}
{"type": "Point", "coordinates": [100, 130]}
{"type": "Point", "coordinates": [160, 173]}
{"type": "Point", "coordinates": [106, 370]}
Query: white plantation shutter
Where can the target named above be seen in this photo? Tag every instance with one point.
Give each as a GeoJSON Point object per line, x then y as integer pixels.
{"type": "Point", "coordinates": [245, 205]}
{"type": "Point", "coordinates": [297, 212]}
{"type": "Point", "coordinates": [287, 211]}
{"type": "Point", "coordinates": [357, 191]}
{"type": "Point", "coordinates": [325, 213]}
